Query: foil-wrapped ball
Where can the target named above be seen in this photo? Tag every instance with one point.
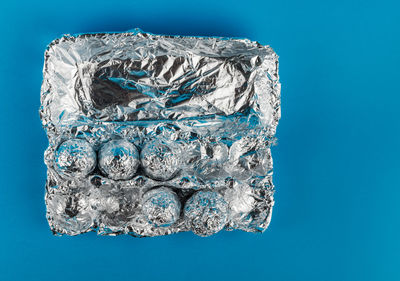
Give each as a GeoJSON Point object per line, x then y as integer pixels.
{"type": "Point", "coordinates": [75, 158]}
{"type": "Point", "coordinates": [161, 207]}
{"type": "Point", "coordinates": [119, 159]}
{"type": "Point", "coordinates": [159, 160]}
{"type": "Point", "coordinates": [206, 213]}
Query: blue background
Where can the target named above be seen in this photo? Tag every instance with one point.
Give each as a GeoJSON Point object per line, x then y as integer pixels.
{"type": "Point", "coordinates": [336, 164]}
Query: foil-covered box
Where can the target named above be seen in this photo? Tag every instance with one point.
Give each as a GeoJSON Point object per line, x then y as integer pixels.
{"type": "Point", "coordinates": [151, 135]}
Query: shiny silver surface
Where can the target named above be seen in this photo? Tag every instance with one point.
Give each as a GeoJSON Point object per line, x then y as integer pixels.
{"type": "Point", "coordinates": [206, 213]}
{"type": "Point", "coordinates": [75, 158]}
{"type": "Point", "coordinates": [160, 160]}
{"type": "Point", "coordinates": [182, 128]}
{"type": "Point", "coordinates": [118, 159]}
{"type": "Point", "coordinates": [161, 207]}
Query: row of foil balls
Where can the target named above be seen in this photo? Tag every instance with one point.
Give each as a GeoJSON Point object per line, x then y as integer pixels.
{"type": "Point", "coordinates": [118, 159]}
{"type": "Point", "coordinates": [205, 212]}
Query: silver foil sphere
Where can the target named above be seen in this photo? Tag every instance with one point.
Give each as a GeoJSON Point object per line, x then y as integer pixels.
{"type": "Point", "coordinates": [161, 207]}
{"type": "Point", "coordinates": [119, 159]}
{"type": "Point", "coordinates": [206, 213]}
{"type": "Point", "coordinates": [159, 160]}
{"type": "Point", "coordinates": [75, 158]}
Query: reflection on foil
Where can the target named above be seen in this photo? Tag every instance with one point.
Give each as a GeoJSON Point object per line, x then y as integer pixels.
{"type": "Point", "coordinates": [151, 135]}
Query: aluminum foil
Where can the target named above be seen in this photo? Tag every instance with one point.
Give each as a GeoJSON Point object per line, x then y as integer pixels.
{"type": "Point", "coordinates": [151, 135]}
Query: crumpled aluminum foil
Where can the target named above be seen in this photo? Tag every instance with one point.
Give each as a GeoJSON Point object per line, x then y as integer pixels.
{"type": "Point", "coordinates": [151, 135]}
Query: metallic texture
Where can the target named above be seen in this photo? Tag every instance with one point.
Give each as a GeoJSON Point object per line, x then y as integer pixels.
{"type": "Point", "coordinates": [182, 126]}
{"type": "Point", "coordinates": [161, 207]}
{"type": "Point", "coordinates": [159, 160]}
{"type": "Point", "coordinates": [119, 159]}
{"type": "Point", "coordinates": [206, 213]}
{"type": "Point", "coordinates": [75, 158]}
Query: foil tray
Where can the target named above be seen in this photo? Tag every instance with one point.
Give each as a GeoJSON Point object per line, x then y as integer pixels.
{"type": "Point", "coordinates": [151, 134]}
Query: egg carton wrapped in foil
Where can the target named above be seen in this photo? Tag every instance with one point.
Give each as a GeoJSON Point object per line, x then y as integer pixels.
{"type": "Point", "coordinates": [152, 135]}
